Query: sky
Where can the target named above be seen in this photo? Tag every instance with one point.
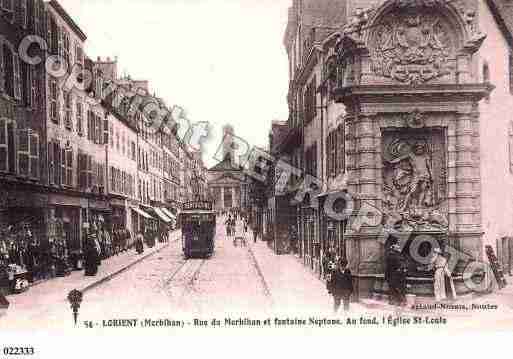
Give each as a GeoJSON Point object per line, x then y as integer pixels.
{"type": "Point", "coordinates": [221, 60]}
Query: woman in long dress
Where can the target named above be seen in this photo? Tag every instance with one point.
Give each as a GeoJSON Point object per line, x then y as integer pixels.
{"type": "Point", "coordinates": [441, 272]}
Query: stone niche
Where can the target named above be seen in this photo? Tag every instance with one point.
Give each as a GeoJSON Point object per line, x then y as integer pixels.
{"type": "Point", "coordinates": [414, 179]}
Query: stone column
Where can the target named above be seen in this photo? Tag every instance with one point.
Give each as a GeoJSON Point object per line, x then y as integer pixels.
{"type": "Point", "coordinates": [465, 189]}
{"type": "Point", "coordinates": [234, 201]}
{"type": "Point", "coordinates": [221, 202]}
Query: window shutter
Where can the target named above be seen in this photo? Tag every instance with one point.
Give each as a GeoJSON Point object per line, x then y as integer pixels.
{"type": "Point", "coordinates": [99, 129]}
{"type": "Point", "coordinates": [49, 24]}
{"type": "Point", "coordinates": [2, 69]}
{"type": "Point", "coordinates": [341, 149]}
{"type": "Point", "coordinates": [511, 71]}
{"type": "Point", "coordinates": [69, 167]}
{"type": "Point", "coordinates": [57, 163]}
{"type": "Point", "coordinates": [89, 171]}
{"type": "Point", "coordinates": [51, 165]}
{"type": "Point", "coordinates": [63, 166]}
{"type": "Point", "coordinates": [23, 153]}
{"type": "Point", "coordinates": [17, 77]}
{"type": "Point", "coordinates": [111, 134]}
{"type": "Point", "coordinates": [4, 150]}
{"type": "Point", "coordinates": [89, 125]}
{"type": "Point", "coordinates": [34, 155]}
{"type": "Point", "coordinates": [11, 143]}
{"type": "Point", "coordinates": [105, 131]}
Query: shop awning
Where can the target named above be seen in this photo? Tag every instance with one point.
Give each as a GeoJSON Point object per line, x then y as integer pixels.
{"type": "Point", "coordinates": [142, 213]}
{"type": "Point", "coordinates": [161, 215]}
{"type": "Point", "coordinates": [168, 213]}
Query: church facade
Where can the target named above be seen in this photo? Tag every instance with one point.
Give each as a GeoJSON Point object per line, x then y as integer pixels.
{"type": "Point", "coordinates": [228, 185]}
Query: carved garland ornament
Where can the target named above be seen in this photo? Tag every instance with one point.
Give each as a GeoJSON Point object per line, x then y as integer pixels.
{"type": "Point", "coordinates": [411, 49]}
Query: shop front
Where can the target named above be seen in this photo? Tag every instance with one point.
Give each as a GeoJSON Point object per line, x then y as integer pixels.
{"type": "Point", "coordinates": [23, 238]}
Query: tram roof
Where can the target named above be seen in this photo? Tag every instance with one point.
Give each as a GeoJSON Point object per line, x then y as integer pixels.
{"type": "Point", "coordinates": [198, 211]}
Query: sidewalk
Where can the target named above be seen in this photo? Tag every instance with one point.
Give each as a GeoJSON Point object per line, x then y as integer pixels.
{"type": "Point", "coordinates": [296, 290]}
{"type": "Point", "coordinates": [292, 287]}
{"type": "Point", "coordinates": [55, 290]}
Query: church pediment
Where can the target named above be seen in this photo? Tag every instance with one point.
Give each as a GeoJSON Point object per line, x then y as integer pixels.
{"type": "Point", "coordinates": [226, 178]}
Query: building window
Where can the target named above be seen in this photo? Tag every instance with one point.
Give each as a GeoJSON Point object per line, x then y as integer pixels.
{"type": "Point", "coordinates": [54, 101]}
{"type": "Point", "coordinates": [7, 141]}
{"type": "Point", "coordinates": [133, 150]}
{"type": "Point", "coordinates": [8, 67]}
{"type": "Point", "coordinates": [54, 162]}
{"type": "Point", "coordinates": [79, 55]}
{"type": "Point", "coordinates": [23, 13]}
{"type": "Point", "coordinates": [28, 154]}
{"type": "Point", "coordinates": [510, 62]}
{"type": "Point", "coordinates": [99, 129]}
{"type": "Point", "coordinates": [111, 134]}
{"type": "Point", "coordinates": [106, 130]}
{"type": "Point", "coordinates": [310, 101]}
{"type": "Point", "coordinates": [82, 170]}
{"type": "Point", "coordinates": [68, 112]}
{"type": "Point", "coordinates": [80, 118]}
{"type": "Point", "coordinates": [311, 160]}
{"type": "Point", "coordinates": [37, 26]}
{"type": "Point", "coordinates": [30, 86]}
{"type": "Point", "coordinates": [341, 149]}
{"type": "Point", "coordinates": [7, 5]}
{"type": "Point", "coordinates": [68, 180]}
{"type": "Point", "coordinates": [331, 154]}
{"type": "Point", "coordinates": [90, 127]}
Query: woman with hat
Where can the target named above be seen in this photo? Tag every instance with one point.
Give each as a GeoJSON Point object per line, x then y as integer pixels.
{"type": "Point", "coordinates": [441, 273]}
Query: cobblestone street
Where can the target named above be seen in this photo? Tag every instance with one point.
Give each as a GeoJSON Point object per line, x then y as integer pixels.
{"type": "Point", "coordinates": [237, 282]}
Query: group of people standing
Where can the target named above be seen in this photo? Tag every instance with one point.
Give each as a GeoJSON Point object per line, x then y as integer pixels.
{"type": "Point", "coordinates": [339, 281]}
{"type": "Point", "coordinates": [397, 270]}
{"type": "Point", "coordinates": [232, 223]}
{"type": "Point", "coordinates": [100, 244]}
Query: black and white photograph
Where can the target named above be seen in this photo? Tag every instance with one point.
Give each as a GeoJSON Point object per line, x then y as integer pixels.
{"type": "Point", "coordinates": [317, 166]}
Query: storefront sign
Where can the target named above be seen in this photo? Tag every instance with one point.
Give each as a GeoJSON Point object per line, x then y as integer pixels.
{"type": "Point", "coordinates": [198, 205]}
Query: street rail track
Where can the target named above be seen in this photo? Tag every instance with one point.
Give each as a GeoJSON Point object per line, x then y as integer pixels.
{"type": "Point", "coordinates": [265, 286]}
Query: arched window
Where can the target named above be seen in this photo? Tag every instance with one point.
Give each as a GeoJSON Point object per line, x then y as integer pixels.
{"type": "Point", "coordinates": [8, 70]}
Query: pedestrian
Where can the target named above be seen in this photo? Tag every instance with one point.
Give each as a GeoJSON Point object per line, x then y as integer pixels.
{"type": "Point", "coordinates": [255, 235]}
{"type": "Point", "coordinates": [340, 286]}
{"type": "Point", "coordinates": [139, 243]}
{"type": "Point", "coordinates": [329, 263]}
{"type": "Point", "coordinates": [91, 255]}
{"type": "Point", "coordinates": [442, 273]}
{"type": "Point", "coordinates": [395, 275]}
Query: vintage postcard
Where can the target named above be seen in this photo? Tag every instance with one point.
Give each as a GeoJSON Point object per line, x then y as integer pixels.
{"type": "Point", "coordinates": [176, 166]}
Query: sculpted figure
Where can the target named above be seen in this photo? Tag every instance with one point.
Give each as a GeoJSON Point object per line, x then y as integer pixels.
{"type": "Point", "coordinates": [415, 179]}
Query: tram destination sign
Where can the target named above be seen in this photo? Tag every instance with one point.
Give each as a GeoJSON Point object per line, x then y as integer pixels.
{"type": "Point", "coordinates": [198, 205]}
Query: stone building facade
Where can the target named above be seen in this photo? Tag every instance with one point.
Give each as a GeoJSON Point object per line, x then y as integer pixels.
{"type": "Point", "coordinates": [73, 154]}
{"type": "Point", "coordinates": [227, 183]}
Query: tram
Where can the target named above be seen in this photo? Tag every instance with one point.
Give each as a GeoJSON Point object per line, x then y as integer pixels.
{"type": "Point", "coordinates": [198, 222]}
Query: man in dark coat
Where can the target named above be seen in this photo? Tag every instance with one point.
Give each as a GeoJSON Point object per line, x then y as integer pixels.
{"type": "Point", "coordinates": [91, 255]}
{"type": "Point", "coordinates": [340, 286]}
{"type": "Point", "coordinates": [395, 275]}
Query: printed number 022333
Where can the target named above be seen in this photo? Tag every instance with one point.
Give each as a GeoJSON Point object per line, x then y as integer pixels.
{"type": "Point", "coordinates": [18, 351]}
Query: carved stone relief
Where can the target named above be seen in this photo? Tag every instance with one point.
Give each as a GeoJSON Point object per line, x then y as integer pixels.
{"type": "Point", "coordinates": [414, 180]}
{"type": "Point", "coordinates": [412, 47]}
